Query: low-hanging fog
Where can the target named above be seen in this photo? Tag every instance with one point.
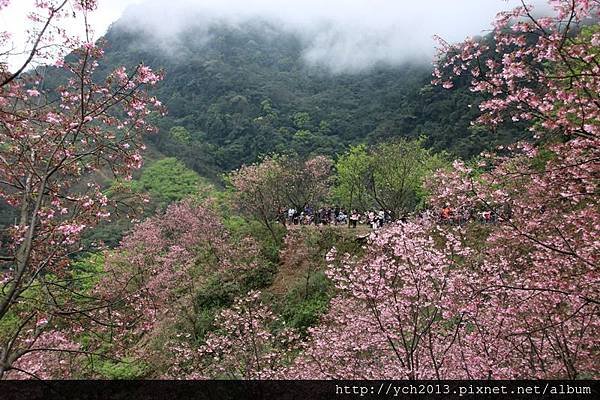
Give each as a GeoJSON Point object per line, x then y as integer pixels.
{"type": "Point", "coordinates": [342, 35]}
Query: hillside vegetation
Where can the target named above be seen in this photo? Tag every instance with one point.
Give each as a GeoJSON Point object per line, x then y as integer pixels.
{"type": "Point", "coordinates": [291, 223]}
{"type": "Point", "coordinates": [237, 92]}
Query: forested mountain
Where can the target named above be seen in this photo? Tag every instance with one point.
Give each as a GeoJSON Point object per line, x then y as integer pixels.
{"type": "Point", "coordinates": [369, 242]}
{"type": "Point", "coordinates": [236, 92]}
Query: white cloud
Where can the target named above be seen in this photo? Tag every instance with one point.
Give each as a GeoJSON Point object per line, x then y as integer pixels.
{"type": "Point", "coordinates": [344, 35]}
{"type": "Point", "coordinates": [13, 19]}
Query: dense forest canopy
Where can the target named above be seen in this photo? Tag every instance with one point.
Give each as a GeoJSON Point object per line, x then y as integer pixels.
{"type": "Point", "coordinates": [245, 90]}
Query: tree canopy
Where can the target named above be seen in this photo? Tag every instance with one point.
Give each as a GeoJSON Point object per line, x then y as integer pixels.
{"type": "Point", "coordinates": [388, 176]}
{"type": "Point", "coordinates": [228, 108]}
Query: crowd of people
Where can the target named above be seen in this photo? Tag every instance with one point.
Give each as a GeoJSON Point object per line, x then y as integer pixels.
{"type": "Point", "coordinates": [339, 216]}
{"type": "Point", "coordinates": [333, 216]}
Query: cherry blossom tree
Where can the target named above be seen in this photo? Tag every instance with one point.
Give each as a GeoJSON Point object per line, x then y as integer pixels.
{"type": "Point", "coordinates": [263, 189]}
{"type": "Point", "coordinates": [52, 142]}
{"type": "Point", "coordinates": [158, 263]}
{"type": "Point", "coordinates": [391, 319]}
{"type": "Point", "coordinates": [153, 280]}
{"type": "Point", "coordinates": [515, 299]}
{"type": "Point", "coordinates": [540, 266]}
{"type": "Point", "coordinates": [306, 182]}
{"type": "Point", "coordinates": [537, 69]}
{"type": "Point", "coordinates": [245, 345]}
{"type": "Point", "coordinates": [258, 191]}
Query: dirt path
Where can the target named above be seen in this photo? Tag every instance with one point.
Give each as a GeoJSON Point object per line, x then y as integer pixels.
{"type": "Point", "coordinates": [294, 264]}
{"type": "Point", "coordinates": [295, 261]}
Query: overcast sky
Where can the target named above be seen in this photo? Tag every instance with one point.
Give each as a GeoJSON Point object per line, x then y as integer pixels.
{"type": "Point", "coordinates": [344, 35]}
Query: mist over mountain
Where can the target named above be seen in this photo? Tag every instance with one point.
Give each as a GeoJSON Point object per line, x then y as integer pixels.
{"type": "Point", "coordinates": [238, 91]}
{"type": "Point", "coordinates": [341, 35]}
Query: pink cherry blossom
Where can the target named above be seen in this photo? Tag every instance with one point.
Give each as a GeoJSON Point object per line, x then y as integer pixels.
{"type": "Point", "coordinates": [49, 149]}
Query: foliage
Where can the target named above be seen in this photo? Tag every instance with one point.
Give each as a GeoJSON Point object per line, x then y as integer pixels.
{"type": "Point", "coordinates": [180, 134]}
{"type": "Point", "coordinates": [265, 190]}
{"type": "Point", "coordinates": [388, 176]}
{"type": "Point", "coordinates": [352, 172]}
{"type": "Point", "coordinates": [397, 173]}
{"type": "Point", "coordinates": [386, 322]}
{"type": "Point", "coordinates": [169, 180]}
{"type": "Point", "coordinates": [513, 296]}
{"type": "Point", "coordinates": [258, 190]}
{"type": "Point", "coordinates": [302, 272]}
{"type": "Point", "coordinates": [177, 271]}
{"type": "Point", "coordinates": [159, 184]}
{"type": "Point", "coordinates": [305, 182]}
{"type": "Point", "coordinates": [306, 302]}
{"type": "Point", "coordinates": [270, 247]}
{"type": "Point", "coordinates": [519, 299]}
{"type": "Point", "coordinates": [52, 143]}
{"type": "Point", "coordinates": [259, 97]}
{"type": "Point", "coordinates": [87, 270]}
{"type": "Point", "coordinates": [125, 369]}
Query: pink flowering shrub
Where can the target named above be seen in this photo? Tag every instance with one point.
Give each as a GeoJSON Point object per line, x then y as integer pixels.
{"type": "Point", "coordinates": [539, 266]}
{"type": "Point", "coordinates": [51, 354]}
{"type": "Point", "coordinates": [394, 317]}
{"type": "Point", "coordinates": [520, 298]}
{"type": "Point", "coordinates": [244, 344]}
{"type": "Point", "coordinates": [52, 143]}
{"type": "Point", "coordinates": [544, 70]}
{"type": "Point", "coordinates": [155, 275]}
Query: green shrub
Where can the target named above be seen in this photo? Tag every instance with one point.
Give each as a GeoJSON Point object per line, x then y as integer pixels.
{"type": "Point", "coordinates": [269, 248]}
{"type": "Point", "coordinates": [87, 270]}
{"type": "Point", "coordinates": [169, 180]}
{"type": "Point", "coordinates": [216, 293]}
{"type": "Point", "coordinates": [125, 369]}
{"type": "Point", "coordinates": [259, 277]}
{"type": "Point", "coordinates": [306, 302]}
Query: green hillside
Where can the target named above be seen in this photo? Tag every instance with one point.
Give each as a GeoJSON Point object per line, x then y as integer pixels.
{"type": "Point", "coordinates": [235, 93]}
